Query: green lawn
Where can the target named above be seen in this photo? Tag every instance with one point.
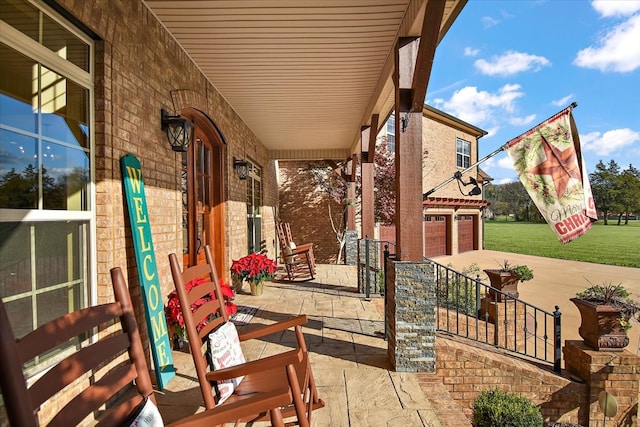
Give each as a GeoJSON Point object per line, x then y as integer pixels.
{"type": "Point", "coordinates": [611, 244]}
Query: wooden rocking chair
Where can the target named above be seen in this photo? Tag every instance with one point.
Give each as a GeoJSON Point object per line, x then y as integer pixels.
{"type": "Point", "coordinates": [298, 259]}
{"type": "Point", "coordinates": [101, 372]}
{"type": "Point", "coordinates": [257, 375]}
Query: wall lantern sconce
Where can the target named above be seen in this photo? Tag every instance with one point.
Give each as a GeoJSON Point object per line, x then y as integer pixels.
{"type": "Point", "coordinates": [179, 130]}
{"type": "Point", "coordinates": [472, 181]}
{"type": "Point", "coordinates": [241, 167]}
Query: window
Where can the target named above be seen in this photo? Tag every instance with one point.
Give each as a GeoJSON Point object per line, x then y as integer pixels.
{"type": "Point", "coordinates": [463, 153]}
{"type": "Point", "coordinates": [391, 133]}
{"type": "Point", "coordinates": [46, 208]}
{"type": "Point", "coordinates": [254, 204]}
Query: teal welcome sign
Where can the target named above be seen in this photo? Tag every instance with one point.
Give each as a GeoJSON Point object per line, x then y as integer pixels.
{"type": "Point", "coordinates": [147, 270]}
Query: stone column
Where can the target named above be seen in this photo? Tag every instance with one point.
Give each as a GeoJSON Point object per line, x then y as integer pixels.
{"type": "Point", "coordinates": [351, 247]}
{"type": "Point", "coordinates": [617, 372]}
{"type": "Point", "coordinates": [411, 321]}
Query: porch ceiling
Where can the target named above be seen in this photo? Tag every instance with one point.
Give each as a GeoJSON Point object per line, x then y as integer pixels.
{"type": "Point", "coordinates": [305, 75]}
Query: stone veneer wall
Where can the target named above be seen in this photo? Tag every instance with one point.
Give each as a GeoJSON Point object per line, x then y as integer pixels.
{"type": "Point", "coordinates": [411, 316]}
{"type": "Point", "coordinates": [351, 248]}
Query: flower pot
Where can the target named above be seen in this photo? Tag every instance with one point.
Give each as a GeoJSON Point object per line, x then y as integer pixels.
{"type": "Point", "coordinates": [600, 328]}
{"type": "Point", "coordinates": [237, 283]}
{"type": "Point", "coordinates": [256, 288]}
{"type": "Point", "coordinates": [504, 281]}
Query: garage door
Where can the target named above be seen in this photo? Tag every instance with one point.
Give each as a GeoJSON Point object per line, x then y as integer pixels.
{"type": "Point", "coordinates": [435, 235]}
{"type": "Point", "coordinates": [466, 233]}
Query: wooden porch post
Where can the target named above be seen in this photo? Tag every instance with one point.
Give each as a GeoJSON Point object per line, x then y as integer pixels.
{"type": "Point", "coordinates": [366, 172]}
{"type": "Point", "coordinates": [408, 156]}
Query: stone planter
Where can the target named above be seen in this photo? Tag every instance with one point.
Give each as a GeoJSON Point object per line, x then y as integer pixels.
{"type": "Point", "coordinates": [600, 328]}
{"type": "Point", "coordinates": [504, 281]}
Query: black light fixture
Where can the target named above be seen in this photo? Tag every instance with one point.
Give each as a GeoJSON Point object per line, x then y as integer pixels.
{"type": "Point", "coordinates": [472, 181]}
{"type": "Point", "coordinates": [241, 167]}
{"type": "Point", "coordinates": [179, 130]}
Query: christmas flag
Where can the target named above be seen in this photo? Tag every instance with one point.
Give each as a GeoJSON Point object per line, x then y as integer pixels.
{"type": "Point", "coordinates": [549, 163]}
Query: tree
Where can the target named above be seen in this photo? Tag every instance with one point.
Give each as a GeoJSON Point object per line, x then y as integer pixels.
{"type": "Point", "coordinates": [603, 186]}
{"type": "Point", "coordinates": [628, 193]}
{"type": "Point", "coordinates": [384, 183]}
{"type": "Point", "coordinates": [332, 184]}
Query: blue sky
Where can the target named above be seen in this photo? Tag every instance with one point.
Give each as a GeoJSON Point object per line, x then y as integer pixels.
{"type": "Point", "coordinates": [506, 65]}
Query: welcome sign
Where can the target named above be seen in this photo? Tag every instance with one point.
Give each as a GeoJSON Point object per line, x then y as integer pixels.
{"type": "Point", "coordinates": [147, 270]}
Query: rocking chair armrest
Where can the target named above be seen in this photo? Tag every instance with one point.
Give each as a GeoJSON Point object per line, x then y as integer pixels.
{"type": "Point", "coordinates": [266, 363]}
{"type": "Point", "coordinates": [232, 411]}
{"type": "Point", "coordinates": [302, 249]}
{"type": "Point", "coordinates": [262, 330]}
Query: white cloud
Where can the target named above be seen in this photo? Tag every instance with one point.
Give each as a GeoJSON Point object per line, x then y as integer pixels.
{"type": "Point", "coordinates": [489, 22]}
{"type": "Point", "coordinates": [505, 181]}
{"type": "Point", "coordinates": [618, 50]}
{"type": "Point", "coordinates": [563, 101]}
{"type": "Point", "coordinates": [505, 163]}
{"type": "Point", "coordinates": [511, 63]}
{"type": "Point", "coordinates": [610, 141]}
{"type": "Point", "coordinates": [522, 121]}
{"type": "Point", "coordinates": [492, 131]}
{"type": "Point", "coordinates": [608, 8]}
{"type": "Point", "coordinates": [479, 107]}
{"type": "Point", "coordinates": [469, 51]}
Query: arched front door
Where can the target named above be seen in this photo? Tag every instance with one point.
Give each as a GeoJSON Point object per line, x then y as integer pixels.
{"type": "Point", "coordinates": [202, 193]}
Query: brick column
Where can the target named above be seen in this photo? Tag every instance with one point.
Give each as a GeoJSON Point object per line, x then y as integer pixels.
{"type": "Point", "coordinates": [617, 372]}
{"type": "Point", "coordinates": [411, 322]}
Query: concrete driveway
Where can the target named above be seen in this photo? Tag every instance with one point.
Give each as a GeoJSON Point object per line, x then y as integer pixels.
{"type": "Point", "coordinates": [554, 282]}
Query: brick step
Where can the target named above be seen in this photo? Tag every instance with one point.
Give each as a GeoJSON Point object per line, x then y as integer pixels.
{"type": "Point", "coordinates": [448, 411]}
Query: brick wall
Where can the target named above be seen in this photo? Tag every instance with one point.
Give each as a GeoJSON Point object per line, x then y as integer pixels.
{"type": "Point", "coordinates": [468, 370]}
{"type": "Point", "coordinates": [306, 208]}
{"type": "Point", "coordinates": [140, 68]}
{"type": "Point", "coordinates": [439, 140]}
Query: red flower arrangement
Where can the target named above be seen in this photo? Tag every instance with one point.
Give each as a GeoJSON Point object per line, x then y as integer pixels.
{"type": "Point", "coordinates": [173, 311]}
{"type": "Point", "coordinates": [254, 267]}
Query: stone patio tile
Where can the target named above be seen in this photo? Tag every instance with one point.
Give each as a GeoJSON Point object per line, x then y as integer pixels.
{"type": "Point", "coordinates": [409, 391]}
{"type": "Point", "coordinates": [369, 388]}
{"type": "Point", "coordinates": [335, 411]}
{"type": "Point", "coordinates": [376, 417]}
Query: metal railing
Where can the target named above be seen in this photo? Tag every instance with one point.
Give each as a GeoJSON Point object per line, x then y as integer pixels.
{"type": "Point", "coordinates": [372, 256]}
{"type": "Point", "coordinates": [469, 308]}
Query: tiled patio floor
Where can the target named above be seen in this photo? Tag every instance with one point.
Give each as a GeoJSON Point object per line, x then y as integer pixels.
{"type": "Point", "coordinates": [347, 350]}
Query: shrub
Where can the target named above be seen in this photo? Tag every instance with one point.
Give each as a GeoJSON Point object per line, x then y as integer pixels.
{"type": "Point", "coordinates": [497, 408]}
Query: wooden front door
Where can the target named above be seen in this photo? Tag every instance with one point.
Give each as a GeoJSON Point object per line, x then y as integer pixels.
{"type": "Point", "coordinates": [202, 189]}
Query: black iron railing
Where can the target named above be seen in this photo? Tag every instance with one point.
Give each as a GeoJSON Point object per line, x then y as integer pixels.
{"type": "Point", "coordinates": [469, 308]}
{"type": "Point", "coordinates": [372, 255]}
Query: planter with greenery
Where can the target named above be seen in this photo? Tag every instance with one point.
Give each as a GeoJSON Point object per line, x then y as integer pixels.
{"type": "Point", "coordinates": [500, 408]}
{"type": "Point", "coordinates": [507, 277]}
{"type": "Point", "coordinates": [606, 311]}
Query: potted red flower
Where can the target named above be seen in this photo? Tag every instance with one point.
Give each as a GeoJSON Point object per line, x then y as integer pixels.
{"type": "Point", "coordinates": [173, 312]}
{"type": "Point", "coordinates": [254, 268]}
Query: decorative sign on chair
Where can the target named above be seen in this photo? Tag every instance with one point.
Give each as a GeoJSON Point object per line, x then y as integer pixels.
{"type": "Point", "coordinates": [147, 270]}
